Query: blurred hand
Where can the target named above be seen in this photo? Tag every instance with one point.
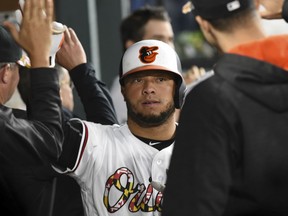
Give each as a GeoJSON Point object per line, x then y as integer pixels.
{"type": "Point", "coordinates": [193, 74]}
{"type": "Point", "coordinates": [272, 9]}
{"type": "Point", "coordinates": [35, 31]}
{"type": "Point", "coordinates": [71, 53]}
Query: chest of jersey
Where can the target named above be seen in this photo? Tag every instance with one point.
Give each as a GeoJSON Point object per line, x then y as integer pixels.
{"type": "Point", "coordinates": [114, 173]}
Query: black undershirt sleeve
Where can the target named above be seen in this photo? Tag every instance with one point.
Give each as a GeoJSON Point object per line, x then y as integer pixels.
{"type": "Point", "coordinates": [73, 131]}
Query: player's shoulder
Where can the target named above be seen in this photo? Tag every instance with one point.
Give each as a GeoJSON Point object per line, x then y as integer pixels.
{"type": "Point", "coordinates": [110, 130]}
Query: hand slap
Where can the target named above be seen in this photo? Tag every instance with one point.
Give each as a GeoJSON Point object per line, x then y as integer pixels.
{"type": "Point", "coordinates": [35, 31]}
{"type": "Point", "coordinates": [72, 52]}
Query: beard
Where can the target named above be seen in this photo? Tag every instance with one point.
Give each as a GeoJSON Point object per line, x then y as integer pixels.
{"type": "Point", "coordinates": [150, 120]}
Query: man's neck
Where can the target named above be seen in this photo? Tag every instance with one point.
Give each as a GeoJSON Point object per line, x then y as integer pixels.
{"type": "Point", "coordinates": [246, 34]}
{"type": "Point", "coordinates": [164, 131]}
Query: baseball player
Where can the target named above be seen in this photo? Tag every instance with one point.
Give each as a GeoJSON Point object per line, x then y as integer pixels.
{"type": "Point", "coordinates": [112, 164]}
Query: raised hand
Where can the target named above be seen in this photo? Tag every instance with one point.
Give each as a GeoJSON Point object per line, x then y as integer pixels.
{"type": "Point", "coordinates": [272, 9]}
{"type": "Point", "coordinates": [193, 74]}
{"type": "Point", "coordinates": [71, 53]}
{"type": "Point", "coordinates": [35, 31]}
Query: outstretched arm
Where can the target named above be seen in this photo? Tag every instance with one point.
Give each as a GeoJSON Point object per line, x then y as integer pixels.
{"type": "Point", "coordinates": [94, 94]}
{"type": "Point", "coordinates": [274, 9]}
{"type": "Point", "coordinates": [35, 31]}
{"type": "Point", "coordinates": [44, 126]}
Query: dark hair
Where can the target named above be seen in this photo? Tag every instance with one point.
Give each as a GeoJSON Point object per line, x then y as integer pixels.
{"type": "Point", "coordinates": [132, 27]}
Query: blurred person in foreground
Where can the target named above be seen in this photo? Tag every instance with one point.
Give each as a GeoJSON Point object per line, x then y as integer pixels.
{"type": "Point", "coordinates": [24, 150]}
{"type": "Point", "coordinates": [230, 154]}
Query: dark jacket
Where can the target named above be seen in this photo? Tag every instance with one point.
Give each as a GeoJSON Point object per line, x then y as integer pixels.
{"type": "Point", "coordinates": [50, 193]}
{"type": "Point", "coordinates": [27, 145]}
{"type": "Point", "coordinates": [231, 154]}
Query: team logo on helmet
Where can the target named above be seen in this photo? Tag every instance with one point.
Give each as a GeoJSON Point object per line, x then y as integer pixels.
{"type": "Point", "coordinates": [147, 54]}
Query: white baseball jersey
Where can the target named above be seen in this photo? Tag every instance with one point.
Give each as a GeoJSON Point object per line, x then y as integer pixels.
{"type": "Point", "coordinates": [113, 170]}
{"type": "Point", "coordinates": [160, 166]}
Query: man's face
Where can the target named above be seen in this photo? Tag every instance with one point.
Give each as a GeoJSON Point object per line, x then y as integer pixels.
{"type": "Point", "coordinates": [159, 30]}
{"type": "Point", "coordinates": [149, 97]}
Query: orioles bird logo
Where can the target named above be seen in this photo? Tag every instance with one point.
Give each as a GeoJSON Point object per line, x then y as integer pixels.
{"type": "Point", "coordinates": [147, 54]}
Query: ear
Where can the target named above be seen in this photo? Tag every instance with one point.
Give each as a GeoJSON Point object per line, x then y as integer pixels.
{"type": "Point", "coordinates": [5, 73]}
{"type": "Point", "coordinates": [204, 24]}
{"type": "Point", "coordinates": [123, 92]}
{"type": "Point", "coordinates": [128, 43]}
